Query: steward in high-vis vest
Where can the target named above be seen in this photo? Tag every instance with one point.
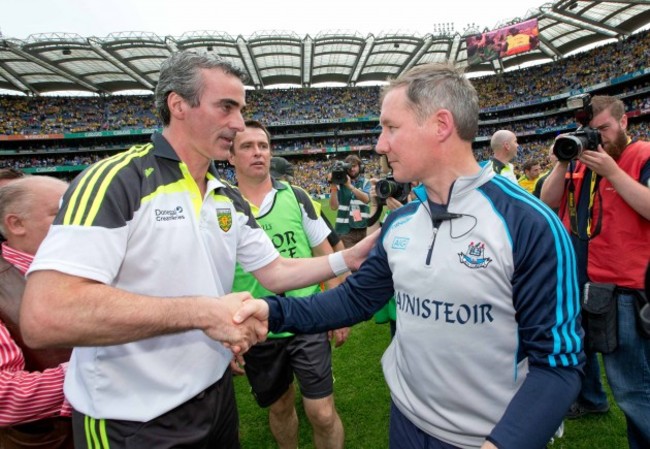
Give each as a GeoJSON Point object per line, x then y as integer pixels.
{"type": "Point", "coordinates": [293, 223]}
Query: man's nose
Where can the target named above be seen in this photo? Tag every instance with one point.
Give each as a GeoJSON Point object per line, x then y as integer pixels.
{"type": "Point", "coordinates": [238, 123]}
{"type": "Point", "coordinates": [381, 147]}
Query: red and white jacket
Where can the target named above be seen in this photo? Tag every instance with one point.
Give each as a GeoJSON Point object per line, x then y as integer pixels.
{"type": "Point", "coordinates": [26, 396]}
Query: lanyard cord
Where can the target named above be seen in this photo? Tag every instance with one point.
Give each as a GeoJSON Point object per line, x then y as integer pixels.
{"type": "Point", "coordinates": [594, 191]}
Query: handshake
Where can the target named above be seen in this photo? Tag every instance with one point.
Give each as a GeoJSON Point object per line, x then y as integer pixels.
{"type": "Point", "coordinates": [237, 320]}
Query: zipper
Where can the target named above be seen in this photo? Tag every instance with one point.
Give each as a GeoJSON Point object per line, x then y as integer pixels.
{"type": "Point", "coordinates": [436, 226]}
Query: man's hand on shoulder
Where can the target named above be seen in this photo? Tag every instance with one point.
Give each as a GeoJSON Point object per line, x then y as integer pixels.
{"type": "Point", "coordinates": [356, 255]}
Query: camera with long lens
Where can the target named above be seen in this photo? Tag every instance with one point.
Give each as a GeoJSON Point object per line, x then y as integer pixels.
{"type": "Point", "coordinates": [340, 172]}
{"type": "Point", "coordinates": [569, 146]}
{"type": "Point", "coordinates": [388, 187]}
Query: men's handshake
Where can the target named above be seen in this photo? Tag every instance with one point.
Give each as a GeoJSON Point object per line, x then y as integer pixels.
{"type": "Point", "coordinates": [240, 321]}
{"type": "Point", "coordinates": [235, 323]}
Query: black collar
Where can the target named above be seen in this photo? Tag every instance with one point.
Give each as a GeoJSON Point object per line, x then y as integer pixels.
{"type": "Point", "coordinates": [162, 148]}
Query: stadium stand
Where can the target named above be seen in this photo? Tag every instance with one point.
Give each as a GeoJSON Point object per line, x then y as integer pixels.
{"type": "Point", "coordinates": [314, 126]}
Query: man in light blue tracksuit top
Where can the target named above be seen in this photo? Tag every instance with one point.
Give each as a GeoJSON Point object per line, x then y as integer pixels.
{"type": "Point", "coordinates": [488, 350]}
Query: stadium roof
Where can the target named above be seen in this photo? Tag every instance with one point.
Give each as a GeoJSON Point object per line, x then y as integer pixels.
{"type": "Point", "coordinates": [130, 61]}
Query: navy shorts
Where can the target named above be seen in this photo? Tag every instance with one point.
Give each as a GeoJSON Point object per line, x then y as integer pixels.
{"type": "Point", "coordinates": [271, 365]}
{"type": "Point", "coordinates": [206, 421]}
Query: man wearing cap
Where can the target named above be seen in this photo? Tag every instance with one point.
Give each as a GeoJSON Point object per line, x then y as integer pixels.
{"type": "Point", "coordinates": [281, 169]}
{"type": "Point", "coordinates": [291, 220]}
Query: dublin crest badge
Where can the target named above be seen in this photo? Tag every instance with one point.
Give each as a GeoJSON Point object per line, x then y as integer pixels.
{"type": "Point", "coordinates": [224, 217]}
{"type": "Point", "coordinates": [475, 257]}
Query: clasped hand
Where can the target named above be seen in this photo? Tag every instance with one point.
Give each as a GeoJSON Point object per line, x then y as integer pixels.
{"type": "Point", "coordinates": [240, 335]}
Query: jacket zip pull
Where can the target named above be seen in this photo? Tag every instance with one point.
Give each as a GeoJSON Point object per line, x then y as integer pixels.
{"type": "Point", "coordinates": [436, 225]}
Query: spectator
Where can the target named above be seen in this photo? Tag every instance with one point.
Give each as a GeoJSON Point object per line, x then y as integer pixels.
{"type": "Point", "coordinates": [537, 191]}
{"type": "Point", "coordinates": [532, 169]}
{"type": "Point", "coordinates": [33, 411]}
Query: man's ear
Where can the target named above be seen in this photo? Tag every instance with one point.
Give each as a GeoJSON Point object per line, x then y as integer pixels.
{"type": "Point", "coordinates": [623, 122]}
{"type": "Point", "coordinates": [14, 225]}
{"type": "Point", "coordinates": [443, 122]}
{"type": "Point", "coordinates": [176, 105]}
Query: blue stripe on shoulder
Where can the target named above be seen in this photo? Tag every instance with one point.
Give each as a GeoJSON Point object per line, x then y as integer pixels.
{"type": "Point", "coordinates": [501, 217]}
{"type": "Point", "coordinates": [564, 330]}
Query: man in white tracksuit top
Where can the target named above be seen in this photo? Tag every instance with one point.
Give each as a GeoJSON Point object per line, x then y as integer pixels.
{"type": "Point", "coordinates": [488, 349]}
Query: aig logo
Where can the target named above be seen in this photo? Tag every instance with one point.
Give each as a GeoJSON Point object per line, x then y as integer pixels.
{"type": "Point", "coordinates": [400, 243]}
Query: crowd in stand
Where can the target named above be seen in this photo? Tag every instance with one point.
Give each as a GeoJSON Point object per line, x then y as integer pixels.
{"type": "Point", "coordinates": [313, 104]}
{"type": "Point", "coordinates": [54, 115]}
{"type": "Point", "coordinates": [20, 163]}
{"type": "Point", "coordinates": [311, 172]}
{"type": "Point", "coordinates": [575, 72]}
{"type": "Point", "coordinates": [48, 115]}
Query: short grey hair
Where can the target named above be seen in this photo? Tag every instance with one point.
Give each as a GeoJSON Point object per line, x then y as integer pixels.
{"type": "Point", "coordinates": [430, 87]}
{"type": "Point", "coordinates": [18, 197]}
{"type": "Point", "coordinates": [181, 73]}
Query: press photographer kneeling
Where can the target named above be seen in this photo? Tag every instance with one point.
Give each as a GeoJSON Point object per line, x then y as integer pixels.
{"type": "Point", "coordinates": [349, 196]}
{"type": "Point", "coordinates": [601, 185]}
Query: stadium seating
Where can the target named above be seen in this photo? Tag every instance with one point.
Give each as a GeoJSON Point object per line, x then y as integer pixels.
{"type": "Point", "coordinates": [62, 135]}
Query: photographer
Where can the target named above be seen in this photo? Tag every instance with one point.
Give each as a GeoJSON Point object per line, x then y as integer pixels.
{"type": "Point", "coordinates": [604, 200]}
{"type": "Point", "coordinates": [350, 199]}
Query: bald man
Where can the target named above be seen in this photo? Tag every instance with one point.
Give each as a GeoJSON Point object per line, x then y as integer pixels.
{"type": "Point", "coordinates": [33, 413]}
{"type": "Point", "coordinates": [504, 149]}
